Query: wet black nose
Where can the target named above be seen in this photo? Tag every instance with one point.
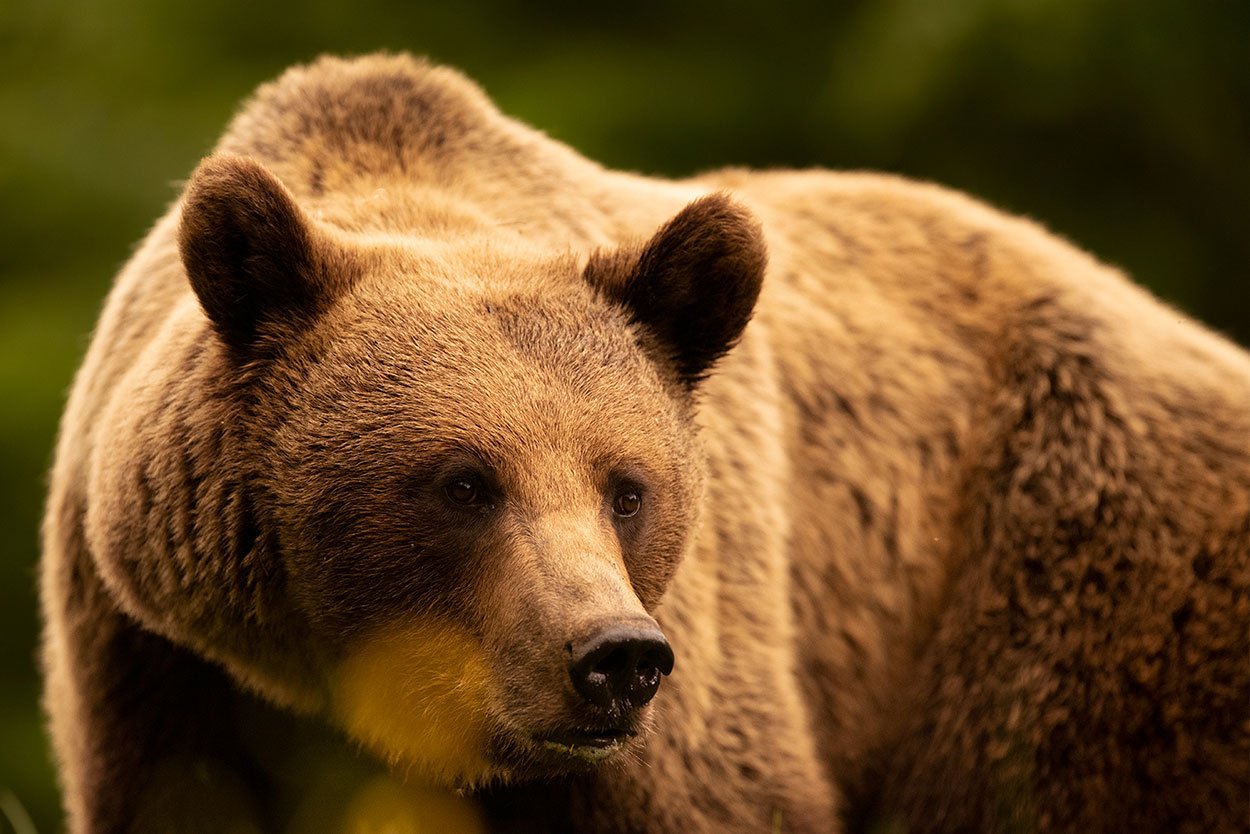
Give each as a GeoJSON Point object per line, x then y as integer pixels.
{"type": "Point", "coordinates": [618, 668]}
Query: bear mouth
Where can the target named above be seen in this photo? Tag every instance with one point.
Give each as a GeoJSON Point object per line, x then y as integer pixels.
{"type": "Point", "coordinates": [587, 744]}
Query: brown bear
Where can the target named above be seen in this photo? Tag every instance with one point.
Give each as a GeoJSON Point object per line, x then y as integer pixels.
{"type": "Point", "coordinates": [413, 450]}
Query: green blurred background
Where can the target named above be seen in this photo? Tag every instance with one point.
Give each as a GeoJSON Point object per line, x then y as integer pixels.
{"type": "Point", "coordinates": [1122, 124]}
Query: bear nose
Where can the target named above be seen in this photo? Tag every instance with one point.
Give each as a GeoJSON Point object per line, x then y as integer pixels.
{"type": "Point", "coordinates": [618, 668]}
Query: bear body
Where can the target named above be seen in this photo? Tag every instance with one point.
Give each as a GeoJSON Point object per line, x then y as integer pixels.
{"type": "Point", "coordinates": [402, 400]}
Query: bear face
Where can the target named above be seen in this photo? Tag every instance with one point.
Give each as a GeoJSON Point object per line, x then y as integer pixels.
{"type": "Point", "coordinates": [493, 533]}
{"type": "Point", "coordinates": [480, 466]}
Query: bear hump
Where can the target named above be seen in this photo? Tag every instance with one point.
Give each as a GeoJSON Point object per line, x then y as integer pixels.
{"type": "Point", "coordinates": [374, 115]}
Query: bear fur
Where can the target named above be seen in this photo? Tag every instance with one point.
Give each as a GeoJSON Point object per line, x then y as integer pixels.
{"type": "Point", "coordinates": [955, 538]}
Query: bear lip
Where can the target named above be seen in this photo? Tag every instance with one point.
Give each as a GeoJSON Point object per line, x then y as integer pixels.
{"type": "Point", "coordinates": [590, 744]}
{"type": "Point", "coordinates": [601, 737]}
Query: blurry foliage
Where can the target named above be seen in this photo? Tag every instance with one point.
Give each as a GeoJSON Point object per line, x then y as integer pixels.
{"type": "Point", "coordinates": [1123, 125]}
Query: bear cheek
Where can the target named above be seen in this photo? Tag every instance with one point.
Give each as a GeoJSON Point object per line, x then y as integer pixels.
{"type": "Point", "coordinates": [653, 559]}
{"type": "Point", "coordinates": [418, 693]}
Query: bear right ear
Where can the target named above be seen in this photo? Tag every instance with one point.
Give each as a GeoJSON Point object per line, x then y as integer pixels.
{"type": "Point", "coordinates": [254, 259]}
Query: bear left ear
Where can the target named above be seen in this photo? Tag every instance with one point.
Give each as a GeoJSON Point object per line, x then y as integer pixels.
{"type": "Point", "coordinates": [257, 263]}
{"type": "Point", "coordinates": [694, 284]}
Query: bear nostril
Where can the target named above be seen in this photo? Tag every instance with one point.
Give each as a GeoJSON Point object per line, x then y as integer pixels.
{"type": "Point", "coordinates": [658, 656]}
{"type": "Point", "coordinates": [619, 667]}
{"type": "Point", "coordinates": [616, 662]}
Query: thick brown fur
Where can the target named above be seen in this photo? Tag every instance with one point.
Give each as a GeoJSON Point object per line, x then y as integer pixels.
{"type": "Point", "coordinates": [954, 536]}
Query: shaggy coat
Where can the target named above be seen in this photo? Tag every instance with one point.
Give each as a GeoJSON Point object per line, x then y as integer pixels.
{"type": "Point", "coordinates": [953, 536]}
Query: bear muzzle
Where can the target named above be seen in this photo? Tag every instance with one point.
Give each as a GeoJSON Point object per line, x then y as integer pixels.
{"type": "Point", "coordinates": [615, 670]}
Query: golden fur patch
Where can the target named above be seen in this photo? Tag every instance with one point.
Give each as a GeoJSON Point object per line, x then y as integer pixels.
{"type": "Point", "coordinates": [417, 694]}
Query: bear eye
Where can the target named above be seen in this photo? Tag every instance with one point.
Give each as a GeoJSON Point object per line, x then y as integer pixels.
{"type": "Point", "coordinates": [627, 504]}
{"type": "Point", "coordinates": [463, 491]}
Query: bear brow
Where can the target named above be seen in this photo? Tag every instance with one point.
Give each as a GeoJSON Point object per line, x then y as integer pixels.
{"type": "Point", "coordinates": [531, 327]}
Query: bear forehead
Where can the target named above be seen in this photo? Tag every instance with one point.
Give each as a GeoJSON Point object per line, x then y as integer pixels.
{"type": "Point", "coordinates": [487, 331]}
{"type": "Point", "coordinates": [509, 369]}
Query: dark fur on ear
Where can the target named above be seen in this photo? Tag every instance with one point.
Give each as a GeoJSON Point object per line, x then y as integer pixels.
{"type": "Point", "coordinates": [694, 284]}
{"type": "Point", "coordinates": [254, 259]}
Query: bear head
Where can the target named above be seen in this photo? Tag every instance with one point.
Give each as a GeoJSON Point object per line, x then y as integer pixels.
{"type": "Point", "coordinates": [471, 467]}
